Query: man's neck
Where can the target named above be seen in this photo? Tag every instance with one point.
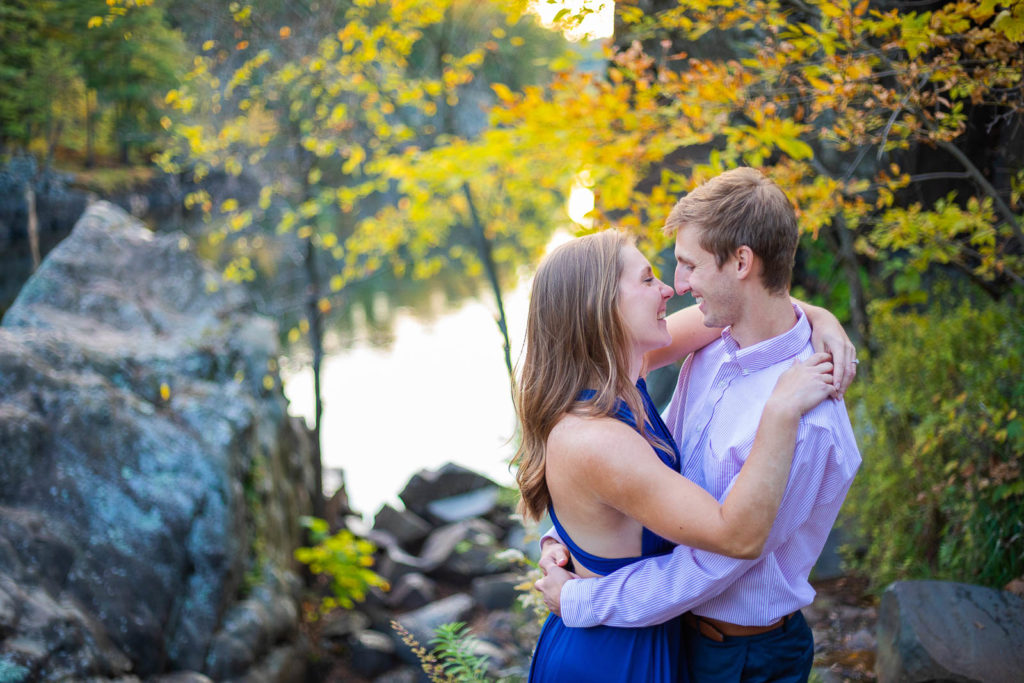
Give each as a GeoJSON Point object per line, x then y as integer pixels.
{"type": "Point", "coordinates": [765, 316]}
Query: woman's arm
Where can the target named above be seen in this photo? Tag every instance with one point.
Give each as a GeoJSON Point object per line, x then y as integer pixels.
{"type": "Point", "coordinates": [688, 334]}
{"type": "Point", "coordinates": [619, 466]}
{"type": "Point", "coordinates": [827, 335]}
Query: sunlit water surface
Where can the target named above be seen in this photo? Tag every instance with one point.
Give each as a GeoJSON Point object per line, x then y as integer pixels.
{"type": "Point", "coordinates": [439, 393]}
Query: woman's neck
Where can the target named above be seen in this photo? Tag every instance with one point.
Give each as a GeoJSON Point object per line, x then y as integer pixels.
{"type": "Point", "coordinates": [636, 367]}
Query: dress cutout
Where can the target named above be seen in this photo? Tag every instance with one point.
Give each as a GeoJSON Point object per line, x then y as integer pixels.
{"type": "Point", "coordinates": [606, 653]}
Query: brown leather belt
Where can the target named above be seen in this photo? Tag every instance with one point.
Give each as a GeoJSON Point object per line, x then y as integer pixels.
{"type": "Point", "coordinates": [718, 630]}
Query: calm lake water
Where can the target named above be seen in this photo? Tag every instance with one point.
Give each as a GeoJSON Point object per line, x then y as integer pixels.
{"type": "Point", "coordinates": [438, 393]}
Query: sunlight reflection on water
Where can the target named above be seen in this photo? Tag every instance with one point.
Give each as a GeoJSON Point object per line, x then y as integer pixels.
{"type": "Point", "coordinates": [440, 393]}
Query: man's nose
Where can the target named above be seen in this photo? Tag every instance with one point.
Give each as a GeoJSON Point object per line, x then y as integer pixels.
{"type": "Point", "coordinates": [682, 283]}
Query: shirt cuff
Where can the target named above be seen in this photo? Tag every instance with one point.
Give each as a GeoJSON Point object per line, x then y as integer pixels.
{"type": "Point", "coordinates": [576, 601]}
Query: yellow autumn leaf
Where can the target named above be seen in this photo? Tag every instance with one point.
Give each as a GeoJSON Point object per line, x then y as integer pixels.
{"type": "Point", "coordinates": [503, 92]}
{"type": "Point", "coordinates": [1011, 24]}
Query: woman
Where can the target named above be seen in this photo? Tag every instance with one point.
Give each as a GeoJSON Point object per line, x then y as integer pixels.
{"type": "Point", "coordinates": [592, 439]}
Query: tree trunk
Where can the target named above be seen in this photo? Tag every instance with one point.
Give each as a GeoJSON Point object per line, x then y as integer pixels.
{"type": "Point", "coordinates": [89, 132]}
{"type": "Point", "coordinates": [51, 148]}
{"type": "Point", "coordinates": [860, 334]}
{"type": "Point", "coordinates": [316, 336]}
{"type": "Point", "coordinates": [33, 225]}
{"type": "Point", "coordinates": [484, 249]}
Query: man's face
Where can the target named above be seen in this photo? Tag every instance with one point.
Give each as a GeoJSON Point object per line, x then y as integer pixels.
{"type": "Point", "coordinates": [715, 289]}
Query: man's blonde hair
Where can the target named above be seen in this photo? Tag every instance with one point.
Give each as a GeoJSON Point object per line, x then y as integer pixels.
{"type": "Point", "coordinates": [742, 207]}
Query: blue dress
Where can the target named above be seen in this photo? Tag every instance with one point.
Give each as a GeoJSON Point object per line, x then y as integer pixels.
{"type": "Point", "coordinates": [608, 653]}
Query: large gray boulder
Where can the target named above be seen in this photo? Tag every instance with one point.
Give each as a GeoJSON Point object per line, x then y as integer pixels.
{"type": "Point", "coordinates": [937, 631]}
{"type": "Point", "coordinates": [150, 476]}
{"type": "Point", "coordinates": [427, 486]}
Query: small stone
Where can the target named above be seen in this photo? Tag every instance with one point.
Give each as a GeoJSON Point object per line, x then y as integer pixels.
{"type": "Point", "coordinates": [372, 652]}
{"type": "Point", "coordinates": [340, 624]}
{"type": "Point", "coordinates": [181, 677]}
{"type": "Point", "coordinates": [451, 480]}
{"type": "Point", "coordinates": [463, 549]}
{"type": "Point", "coordinates": [412, 591]}
{"type": "Point", "coordinates": [408, 528]}
{"type": "Point", "coordinates": [496, 592]}
{"type": "Point", "coordinates": [476, 503]}
{"type": "Point", "coordinates": [394, 563]}
{"type": "Point", "coordinates": [861, 639]}
{"type": "Point", "coordinates": [402, 674]}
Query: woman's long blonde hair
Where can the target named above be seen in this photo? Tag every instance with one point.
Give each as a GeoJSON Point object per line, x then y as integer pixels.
{"type": "Point", "coordinates": [575, 340]}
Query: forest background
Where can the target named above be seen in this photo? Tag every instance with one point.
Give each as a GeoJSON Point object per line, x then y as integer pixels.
{"type": "Point", "coordinates": [318, 143]}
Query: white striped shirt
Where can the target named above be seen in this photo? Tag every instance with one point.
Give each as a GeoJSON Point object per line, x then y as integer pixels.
{"type": "Point", "coordinates": [713, 416]}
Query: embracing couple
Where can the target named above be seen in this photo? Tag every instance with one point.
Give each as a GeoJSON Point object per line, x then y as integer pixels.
{"type": "Point", "coordinates": [681, 546]}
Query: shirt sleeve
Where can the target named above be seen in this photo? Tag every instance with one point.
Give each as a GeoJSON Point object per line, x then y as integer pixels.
{"type": "Point", "coordinates": [552, 534]}
{"type": "Point", "coordinates": [657, 589]}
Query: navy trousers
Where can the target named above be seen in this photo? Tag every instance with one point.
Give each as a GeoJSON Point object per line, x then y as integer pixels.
{"type": "Point", "coordinates": [784, 655]}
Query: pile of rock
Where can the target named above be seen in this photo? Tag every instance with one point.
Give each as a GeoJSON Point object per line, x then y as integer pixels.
{"type": "Point", "coordinates": [443, 556]}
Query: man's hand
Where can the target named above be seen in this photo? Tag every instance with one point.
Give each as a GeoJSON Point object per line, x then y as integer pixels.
{"type": "Point", "coordinates": [551, 587]}
{"type": "Point", "coordinates": [553, 554]}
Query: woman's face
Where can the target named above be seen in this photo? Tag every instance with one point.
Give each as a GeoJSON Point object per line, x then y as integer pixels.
{"type": "Point", "coordinates": [642, 298]}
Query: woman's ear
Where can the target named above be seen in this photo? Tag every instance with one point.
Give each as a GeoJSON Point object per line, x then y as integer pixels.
{"type": "Point", "coordinates": [743, 262]}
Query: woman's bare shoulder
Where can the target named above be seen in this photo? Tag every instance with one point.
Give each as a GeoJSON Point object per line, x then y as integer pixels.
{"type": "Point", "coordinates": [580, 438]}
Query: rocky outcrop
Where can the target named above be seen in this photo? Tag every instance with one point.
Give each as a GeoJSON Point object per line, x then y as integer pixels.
{"type": "Point", "coordinates": [942, 631]}
{"type": "Point", "coordinates": [151, 479]}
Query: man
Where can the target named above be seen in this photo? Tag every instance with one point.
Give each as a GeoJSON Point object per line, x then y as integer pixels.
{"type": "Point", "coordinates": [736, 239]}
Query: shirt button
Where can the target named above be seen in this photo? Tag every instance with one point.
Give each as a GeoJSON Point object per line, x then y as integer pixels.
{"type": "Point", "coordinates": [721, 385]}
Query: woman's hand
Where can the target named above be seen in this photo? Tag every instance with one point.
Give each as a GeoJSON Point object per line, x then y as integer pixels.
{"type": "Point", "coordinates": [828, 336]}
{"type": "Point", "coordinates": [804, 385]}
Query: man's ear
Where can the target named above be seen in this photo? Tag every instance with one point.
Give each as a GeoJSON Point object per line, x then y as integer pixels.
{"type": "Point", "coordinates": [744, 262]}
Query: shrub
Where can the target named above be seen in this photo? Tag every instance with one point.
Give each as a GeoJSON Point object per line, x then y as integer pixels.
{"type": "Point", "coordinates": [453, 659]}
{"type": "Point", "coordinates": [344, 559]}
{"type": "Point", "coordinates": [939, 421]}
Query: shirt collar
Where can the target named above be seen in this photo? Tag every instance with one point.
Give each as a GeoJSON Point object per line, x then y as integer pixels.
{"type": "Point", "coordinates": [770, 351]}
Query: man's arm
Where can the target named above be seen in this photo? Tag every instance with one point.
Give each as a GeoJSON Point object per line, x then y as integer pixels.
{"type": "Point", "coordinates": [654, 590]}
